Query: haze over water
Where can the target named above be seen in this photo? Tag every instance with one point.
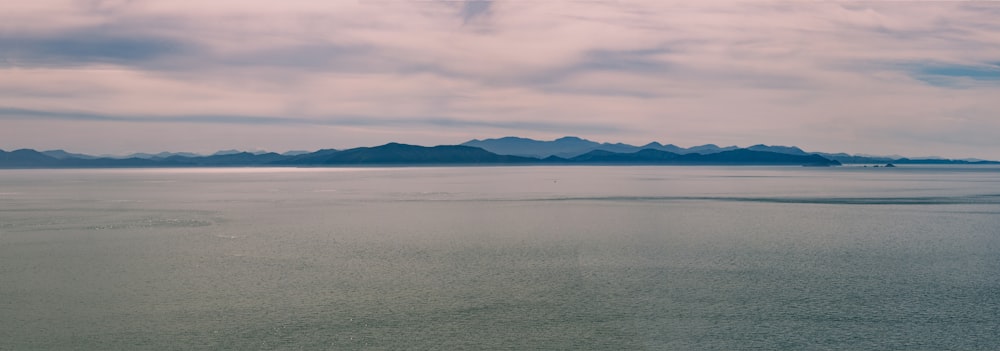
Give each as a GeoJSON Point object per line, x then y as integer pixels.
{"type": "Point", "coordinates": [602, 258]}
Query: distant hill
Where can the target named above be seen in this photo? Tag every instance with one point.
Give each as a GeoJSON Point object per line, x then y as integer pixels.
{"type": "Point", "coordinates": [562, 147]}
{"type": "Point", "coordinates": [855, 159]}
{"type": "Point", "coordinates": [395, 153]}
{"type": "Point", "coordinates": [645, 156]}
{"type": "Point", "coordinates": [508, 151]}
{"type": "Point", "coordinates": [790, 150]}
{"type": "Point", "coordinates": [26, 158]}
{"type": "Point", "coordinates": [753, 157]}
{"type": "Point", "coordinates": [232, 151]}
{"type": "Point", "coordinates": [569, 147]}
{"type": "Point", "coordinates": [401, 154]}
{"type": "Point", "coordinates": [160, 155]}
{"type": "Point", "coordinates": [730, 157]}
{"type": "Point", "coordinates": [307, 158]}
{"type": "Point", "coordinates": [226, 152]}
{"type": "Point", "coordinates": [62, 155]}
{"type": "Point", "coordinates": [565, 147]}
{"type": "Point", "coordinates": [225, 159]}
{"type": "Point", "coordinates": [669, 148]}
{"type": "Point", "coordinates": [708, 149]}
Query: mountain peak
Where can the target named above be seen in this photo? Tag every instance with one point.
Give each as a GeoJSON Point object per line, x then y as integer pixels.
{"type": "Point", "coordinates": [791, 150]}
{"type": "Point", "coordinates": [226, 152]}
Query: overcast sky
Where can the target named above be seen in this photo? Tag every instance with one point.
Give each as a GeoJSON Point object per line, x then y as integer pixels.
{"type": "Point", "coordinates": [913, 78]}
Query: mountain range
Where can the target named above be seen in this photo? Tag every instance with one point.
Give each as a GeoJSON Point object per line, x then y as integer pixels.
{"type": "Point", "coordinates": [569, 147]}
{"type": "Point", "coordinates": [502, 151]}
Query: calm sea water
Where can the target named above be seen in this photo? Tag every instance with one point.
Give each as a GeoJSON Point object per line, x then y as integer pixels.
{"type": "Point", "coordinates": [514, 258]}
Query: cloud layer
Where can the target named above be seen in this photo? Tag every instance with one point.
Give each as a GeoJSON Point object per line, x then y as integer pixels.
{"type": "Point", "coordinates": [913, 78]}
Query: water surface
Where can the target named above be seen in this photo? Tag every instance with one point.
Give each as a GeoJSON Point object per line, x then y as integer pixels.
{"type": "Point", "coordinates": [603, 258]}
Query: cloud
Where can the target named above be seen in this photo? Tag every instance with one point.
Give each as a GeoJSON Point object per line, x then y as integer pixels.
{"type": "Point", "coordinates": [341, 120]}
{"type": "Point", "coordinates": [473, 9]}
{"type": "Point", "coordinates": [88, 47]}
{"type": "Point", "coordinates": [952, 75]}
{"type": "Point", "coordinates": [825, 76]}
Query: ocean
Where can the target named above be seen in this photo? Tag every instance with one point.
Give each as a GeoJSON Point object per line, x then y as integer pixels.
{"type": "Point", "coordinates": [501, 258]}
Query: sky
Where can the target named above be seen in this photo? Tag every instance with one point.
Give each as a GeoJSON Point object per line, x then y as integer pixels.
{"type": "Point", "coordinates": [912, 78]}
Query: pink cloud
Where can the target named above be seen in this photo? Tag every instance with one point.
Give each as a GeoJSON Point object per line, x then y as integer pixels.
{"type": "Point", "coordinates": [824, 76]}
